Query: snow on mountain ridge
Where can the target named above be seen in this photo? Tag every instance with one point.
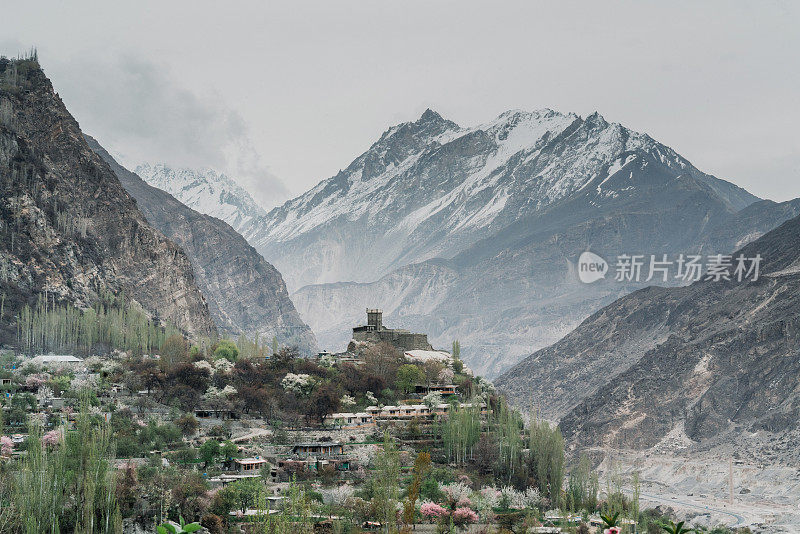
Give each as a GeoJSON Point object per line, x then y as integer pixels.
{"type": "Point", "coordinates": [513, 131]}
{"type": "Point", "coordinates": [206, 191]}
{"type": "Point", "coordinates": [430, 188]}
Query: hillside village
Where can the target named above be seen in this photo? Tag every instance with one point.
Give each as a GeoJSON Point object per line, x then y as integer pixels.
{"type": "Point", "coordinates": [388, 435]}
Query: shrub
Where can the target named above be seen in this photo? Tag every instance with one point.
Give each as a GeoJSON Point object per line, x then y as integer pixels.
{"type": "Point", "coordinates": [464, 516]}
{"type": "Point", "coordinates": [213, 523]}
{"type": "Point", "coordinates": [433, 511]}
{"type": "Point", "coordinates": [6, 446]}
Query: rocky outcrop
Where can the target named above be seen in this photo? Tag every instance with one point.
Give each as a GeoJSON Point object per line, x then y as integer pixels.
{"type": "Point", "coordinates": [699, 361]}
{"type": "Point", "coordinates": [245, 294]}
{"type": "Point", "coordinates": [68, 229]}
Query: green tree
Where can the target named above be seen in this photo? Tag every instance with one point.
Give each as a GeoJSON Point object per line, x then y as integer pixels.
{"type": "Point", "coordinates": [295, 515]}
{"type": "Point", "coordinates": [461, 432]}
{"type": "Point", "coordinates": [422, 467]}
{"type": "Point", "coordinates": [386, 484]}
{"type": "Point", "coordinates": [226, 349]}
{"type": "Point", "coordinates": [407, 377]}
{"type": "Point", "coordinates": [546, 459]}
{"type": "Point", "coordinates": [209, 451]}
{"type": "Point", "coordinates": [635, 496]}
{"type": "Point", "coordinates": [188, 424]}
{"type": "Point", "coordinates": [676, 528]}
{"type": "Point", "coordinates": [245, 492]}
{"type": "Point", "coordinates": [228, 450]}
{"type": "Point", "coordinates": [582, 486]}
{"type": "Point", "coordinates": [174, 350]}
{"type": "Point", "coordinates": [68, 486]}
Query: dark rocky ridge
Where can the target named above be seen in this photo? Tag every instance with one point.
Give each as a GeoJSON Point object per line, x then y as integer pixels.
{"type": "Point", "coordinates": [246, 295]}
{"type": "Point", "coordinates": [67, 226]}
{"type": "Point", "coordinates": [701, 360]}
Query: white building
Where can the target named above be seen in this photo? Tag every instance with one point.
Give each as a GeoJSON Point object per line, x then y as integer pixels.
{"type": "Point", "coordinates": [349, 420]}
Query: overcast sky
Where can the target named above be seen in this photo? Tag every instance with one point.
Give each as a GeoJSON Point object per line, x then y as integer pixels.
{"type": "Point", "coordinates": [283, 95]}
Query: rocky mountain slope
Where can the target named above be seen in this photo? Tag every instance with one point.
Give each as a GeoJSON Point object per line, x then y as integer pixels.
{"type": "Point", "coordinates": [246, 295]}
{"type": "Point", "coordinates": [67, 226]}
{"type": "Point", "coordinates": [707, 362]}
{"type": "Point", "coordinates": [205, 191]}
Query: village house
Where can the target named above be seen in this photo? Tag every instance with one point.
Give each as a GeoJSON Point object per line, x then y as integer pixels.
{"type": "Point", "coordinates": [443, 389]}
{"type": "Point", "coordinates": [206, 412]}
{"type": "Point", "coordinates": [410, 411]}
{"type": "Point", "coordinates": [350, 421]}
{"type": "Point", "coordinates": [317, 448]}
{"type": "Point", "coordinates": [288, 465]}
{"type": "Point", "coordinates": [249, 465]}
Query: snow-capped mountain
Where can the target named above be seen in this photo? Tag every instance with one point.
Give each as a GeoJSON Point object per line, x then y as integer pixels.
{"type": "Point", "coordinates": [431, 188]}
{"type": "Point", "coordinates": [205, 191]}
{"type": "Point", "coordinates": [472, 233]}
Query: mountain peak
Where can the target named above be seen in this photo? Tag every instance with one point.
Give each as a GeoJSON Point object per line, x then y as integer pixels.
{"type": "Point", "coordinates": [596, 120]}
{"type": "Point", "coordinates": [430, 116]}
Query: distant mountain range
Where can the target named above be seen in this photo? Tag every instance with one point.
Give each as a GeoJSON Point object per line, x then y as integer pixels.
{"type": "Point", "coordinates": [472, 233]}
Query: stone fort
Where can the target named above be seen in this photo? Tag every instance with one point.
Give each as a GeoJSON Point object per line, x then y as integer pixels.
{"type": "Point", "coordinates": [375, 332]}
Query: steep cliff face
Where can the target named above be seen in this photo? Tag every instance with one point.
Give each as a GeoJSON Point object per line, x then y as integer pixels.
{"type": "Point", "coordinates": [67, 226]}
{"type": "Point", "coordinates": [246, 295]}
{"type": "Point", "coordinates": [695, 362]}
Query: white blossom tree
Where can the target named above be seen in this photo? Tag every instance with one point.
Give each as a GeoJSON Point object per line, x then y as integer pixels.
{"type": "Point", "coordinates": [298, 383]}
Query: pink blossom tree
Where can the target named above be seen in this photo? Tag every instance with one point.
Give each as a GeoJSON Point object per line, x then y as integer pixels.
{"type": "Point", "coordinates": [463, 517]}
{"type": "Point", "coordinates": [6, 446]}
{"type": "Point", "coordinates": [51, 438]}
{"type": "Point", "coordinates": [464, 502]}
{"type": "Point", "coordinates": [36, 380]}
{"type": "Point", "coordinates": [433, 511]}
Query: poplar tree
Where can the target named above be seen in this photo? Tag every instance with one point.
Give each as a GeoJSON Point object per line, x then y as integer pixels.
{"type": "Point", "coordinates": [386, 490]}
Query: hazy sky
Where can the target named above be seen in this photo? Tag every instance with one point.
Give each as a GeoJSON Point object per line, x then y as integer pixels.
{"type": "Point", "coordinates": [283, 95]}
